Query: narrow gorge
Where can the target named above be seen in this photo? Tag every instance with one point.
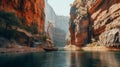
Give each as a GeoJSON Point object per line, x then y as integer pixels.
{"type": "Point", "coordinates": [59, 27]}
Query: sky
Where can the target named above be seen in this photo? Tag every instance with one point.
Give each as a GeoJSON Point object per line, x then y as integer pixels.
{"type": "Point", "coordinates": [61, 7]}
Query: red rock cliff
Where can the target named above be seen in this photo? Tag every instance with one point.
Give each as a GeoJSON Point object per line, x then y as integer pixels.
{"type": "Point", "coordinates": [30, 10]}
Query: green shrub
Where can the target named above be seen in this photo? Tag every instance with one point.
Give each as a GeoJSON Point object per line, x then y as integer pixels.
{"type": "Point", "coordinates": [9, 34]}
{"type": "Point", "coordinates": [9, 19]}
{"type": "Point", "coordinates": [44, 38]}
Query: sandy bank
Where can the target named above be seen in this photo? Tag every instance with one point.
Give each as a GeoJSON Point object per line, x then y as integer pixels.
{"type": "Point", "coordinates": [94, 48]}
{"type": "Point", "coordinates": [71, 47]}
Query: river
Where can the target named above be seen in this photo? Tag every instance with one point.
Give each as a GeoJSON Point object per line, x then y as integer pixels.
{"type": "Point", "coordinates": [61, 59]}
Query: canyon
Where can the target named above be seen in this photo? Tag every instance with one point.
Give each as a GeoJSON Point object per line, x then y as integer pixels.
{"type": "Point", "coordinates": [90, 21]}
{"type": "Point", "coordinates": [33, 35]}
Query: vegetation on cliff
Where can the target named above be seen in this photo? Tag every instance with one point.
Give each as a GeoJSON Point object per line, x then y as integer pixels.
{"type": "Point", "coordinates": [21, 21]}
{"type": "Point", "coordinates": [8, 24]}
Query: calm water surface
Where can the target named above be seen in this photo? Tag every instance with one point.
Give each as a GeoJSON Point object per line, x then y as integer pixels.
{"type": "Point", "coordinates": [61, 59]}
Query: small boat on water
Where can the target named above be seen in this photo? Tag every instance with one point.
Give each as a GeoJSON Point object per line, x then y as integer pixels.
{"type": "Point", "coordinates": [50, 46]}
{"type": "Point", "coordinates": [50, 49]}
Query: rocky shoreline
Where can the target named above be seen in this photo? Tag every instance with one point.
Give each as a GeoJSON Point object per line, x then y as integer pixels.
{"type": "Point", "coordinates": [100, 48]}
{"type": "Point", "coordinates": [68, 48]}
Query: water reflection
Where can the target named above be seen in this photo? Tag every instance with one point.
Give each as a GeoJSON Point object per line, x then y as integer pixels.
{"type": "Point", "coordinates": [93, 59]}
{"type": "Point", "coordinates": [61, 59]}
{"type": "Point", "coordinates": [108, 59]}
{"type": "Point", "coordinates": [79, 59]}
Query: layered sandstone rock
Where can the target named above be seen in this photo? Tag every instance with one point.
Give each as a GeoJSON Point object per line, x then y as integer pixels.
{"type": "Point", "coordinates": [106, 17]}
{"type": "Point", "coordinates": [107, 12]}
{"type": "Point", "coordinates": [30, 11]}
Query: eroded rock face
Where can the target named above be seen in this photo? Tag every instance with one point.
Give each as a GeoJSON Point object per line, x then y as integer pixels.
{"type": "Point", "coordinates": [97, 18]}
{"type": "Point", "coordinates": [80, 22]}
{"type": "Point", "coordinates": [31, 11]}
{"type": "Point", "coordinates": [107, 12]}
{"type": "Point", "coordinates": [110, 38]}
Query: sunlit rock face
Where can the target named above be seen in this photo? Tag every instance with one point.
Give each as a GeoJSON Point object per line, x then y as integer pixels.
{"type": "Point", "coordinates": [60, 24]}
{"type": "Point", "coordinates": [97, 18]}
{"type": "Point", "coordinates": [106, 22]}
{"type": "Point", "coordinates": [30, 11]}
{"type": "Point", "coordinates": [110, 38]}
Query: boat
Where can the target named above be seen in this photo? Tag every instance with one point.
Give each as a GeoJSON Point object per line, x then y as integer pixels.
{"type": "Point", "coordinates": [50, 49]}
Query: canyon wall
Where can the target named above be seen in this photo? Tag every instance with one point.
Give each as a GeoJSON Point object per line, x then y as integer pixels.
{"type": "Point", "coordinates": [19, 20]}
{"type": "Point", "coordinates": [30, 11]}
{"type": "Point", "coordinates": [106, 22]}
{"type": "Point", "coordinates": [80, 26]}
{"type": "Point", "coordinates": [59, 25]}
{"type": "Point", "coordinates": [95, 19]}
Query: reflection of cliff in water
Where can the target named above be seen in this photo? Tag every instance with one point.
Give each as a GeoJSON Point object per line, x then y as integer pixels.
{"type": "Point", "coordinates": [107, 59]}
{"type": "Point", "coordinates": [94, 59]}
